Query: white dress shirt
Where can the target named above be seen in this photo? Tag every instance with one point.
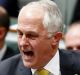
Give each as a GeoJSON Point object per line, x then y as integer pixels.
{"type": "Point", "coordinates": [53, 66]}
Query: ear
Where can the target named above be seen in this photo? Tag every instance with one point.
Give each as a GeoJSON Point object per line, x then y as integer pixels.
{"type": "Point", "coordinates": [56, 38]}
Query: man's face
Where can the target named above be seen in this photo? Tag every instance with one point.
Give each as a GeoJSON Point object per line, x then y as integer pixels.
{"type": "Point", "coordinates": [73, 43]}
{"type": "Point", "coordinates": [72, 39]}
{"type": "Point", "coordinates": [34, 44]}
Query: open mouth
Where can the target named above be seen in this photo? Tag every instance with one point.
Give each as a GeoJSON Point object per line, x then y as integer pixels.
{"type": "Point", "coordinates": [28, 53]}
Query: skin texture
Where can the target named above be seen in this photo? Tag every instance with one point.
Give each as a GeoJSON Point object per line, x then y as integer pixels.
{"type": "Point", "coordinates": [72, 38]}
{"type": "Point", "coordinates": [35, 46]}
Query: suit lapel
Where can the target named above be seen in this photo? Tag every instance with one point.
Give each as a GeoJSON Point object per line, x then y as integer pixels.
{"type": "Point", "coordinates": [22, 70]}
{"type": "Point", "coordinates": [9, 52]}
{"type": "Point", "coordinates": [6, 54]}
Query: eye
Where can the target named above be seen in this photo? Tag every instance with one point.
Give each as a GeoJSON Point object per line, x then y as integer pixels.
{"type": "Point", "coordinates": [32, 36]}
{"type": "Point", "coordinates": [78, 47]}
{"type": "Point", "coordinates": [19, 33]}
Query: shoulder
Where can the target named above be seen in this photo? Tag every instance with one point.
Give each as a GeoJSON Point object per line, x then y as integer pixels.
{"type": "Point", "coordinates": [69, 53]}
{"type": "Point", "coordinates": [10, 52]}
{"type": "Point", "coordinates": [8, 63]}
{"type": "Point", "coordinates": [10, 60]}
{"type": "Point", "coordinates": [70, 60]}
{"type": "Point", "coordinates": [72, 55]}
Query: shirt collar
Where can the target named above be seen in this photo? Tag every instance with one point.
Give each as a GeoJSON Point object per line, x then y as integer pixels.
{"type": "Point", "coordinates": [53, 66]}
{"type": "Point", "coordinates": [2, 51]}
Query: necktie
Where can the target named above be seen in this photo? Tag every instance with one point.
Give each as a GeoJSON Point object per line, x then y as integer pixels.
{"type": "Point", "coordinates": [42, 72]}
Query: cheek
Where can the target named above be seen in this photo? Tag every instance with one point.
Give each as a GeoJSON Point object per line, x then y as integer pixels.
{"type": "Point", "coordinates": [37, 43]}
{"type": "Point", "coordinates": [18, 41]}
{"type": "Point", "coordinates": [40, 45]}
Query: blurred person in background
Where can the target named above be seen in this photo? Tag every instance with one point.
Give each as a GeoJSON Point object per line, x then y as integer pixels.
{"type": "Point", "coordinates": [72, 37]}
{"type": "Point", "coordinates": [5, 51]}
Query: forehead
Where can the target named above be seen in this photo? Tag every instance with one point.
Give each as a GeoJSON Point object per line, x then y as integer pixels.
{"type": "Point", "coordinates": [31, 12]}
{"type": "Point", "coordinates": [31, 17]}
{"type": "Point", "coordinates": [72, 39]}
{"type": "Point", "coordinates": [73, 33]}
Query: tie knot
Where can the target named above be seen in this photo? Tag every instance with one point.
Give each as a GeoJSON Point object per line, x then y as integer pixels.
{"type": "Point", "coordinates": [42, 72]}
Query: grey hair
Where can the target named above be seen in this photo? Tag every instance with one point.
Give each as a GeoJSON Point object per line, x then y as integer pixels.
{"type": "Point", "coordinates": [52, 19]}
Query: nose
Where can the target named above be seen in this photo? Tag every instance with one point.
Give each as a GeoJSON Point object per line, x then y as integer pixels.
{"type": "Point", "coordinates": [74, 48]}
{"type": "Point", "coordinates": [24, 41]}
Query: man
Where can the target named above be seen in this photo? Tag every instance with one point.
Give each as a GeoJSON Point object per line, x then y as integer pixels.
{"type": "Point", "coordinates": [39, 32]}
{"type": "Point", "coordinates": [5, 51]}
{"type": "Point", "coordinates": [72, 37]}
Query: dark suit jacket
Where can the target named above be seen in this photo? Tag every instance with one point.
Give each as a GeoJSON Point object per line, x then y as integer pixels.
{"type": "Point", "coordinates": [69, 65]}
{"type": "Point", "coordinates": [9, 52]}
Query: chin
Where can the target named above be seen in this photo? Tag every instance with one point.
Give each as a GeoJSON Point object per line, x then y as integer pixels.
{"type": "Point", "coordinates": [28, 64]}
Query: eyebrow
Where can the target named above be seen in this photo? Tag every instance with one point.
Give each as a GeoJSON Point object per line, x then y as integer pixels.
{"type": "Point", "coordinates": [28, 32]}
